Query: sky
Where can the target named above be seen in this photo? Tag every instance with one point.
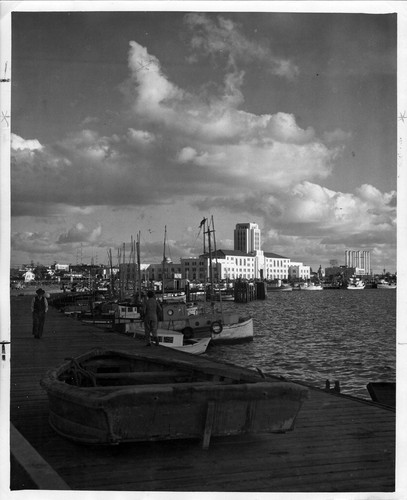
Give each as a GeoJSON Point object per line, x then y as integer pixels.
{"type": "Point", "coordinates": [126, 123]}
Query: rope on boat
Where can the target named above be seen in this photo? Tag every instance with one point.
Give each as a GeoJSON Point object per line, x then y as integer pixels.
{"type": "Point", "coordinates": [81, 377]}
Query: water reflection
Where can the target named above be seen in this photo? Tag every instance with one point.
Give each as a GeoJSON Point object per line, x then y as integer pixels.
{"type": "Point", "coordinates": [342, 335]}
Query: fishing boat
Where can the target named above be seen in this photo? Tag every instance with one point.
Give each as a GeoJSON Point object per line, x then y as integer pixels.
{"type": "Point", "coordinates": [111, 397]}
{"type": "Point", "coordinates": [221, 326]}
{"type": "Point", "coordinates": [312, 287]}
{"type": "Point", "coordinates": [355, 283]}
{"type": "Point", "coordinates": [386, 285]}
{"type": "Point", "coordinates": [279, 286]}
{"type": "Point", "coordinates": [175, 340]}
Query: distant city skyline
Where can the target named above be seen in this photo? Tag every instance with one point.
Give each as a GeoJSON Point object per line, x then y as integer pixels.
{"type": "Point", "coordinates": [132, 121]}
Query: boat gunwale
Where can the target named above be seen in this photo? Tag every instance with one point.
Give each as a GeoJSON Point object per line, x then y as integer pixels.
{"type": "Point", "coordinates": [58, 388]}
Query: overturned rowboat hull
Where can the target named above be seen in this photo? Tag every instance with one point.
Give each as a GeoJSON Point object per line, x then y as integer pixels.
{"type": "Point", "coordinates": [109, 397]}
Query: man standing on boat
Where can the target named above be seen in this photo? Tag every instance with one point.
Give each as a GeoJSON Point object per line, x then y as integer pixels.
{"type": "Point", "coordinates": [39, 308]}
{"type": "Point", "coordinates": [152, 310]}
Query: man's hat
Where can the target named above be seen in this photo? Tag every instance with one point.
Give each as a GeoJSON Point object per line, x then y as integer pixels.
{"type": "Point", "coordinates": [40, 291]}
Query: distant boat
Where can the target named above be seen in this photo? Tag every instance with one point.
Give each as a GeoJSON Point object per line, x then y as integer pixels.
{"type": "Point", "coordinates": [386, 285]}
{"type": "Point", "coordinates": [111, 397]}
{"type": "Point", "coordinates": [311, 287]}
{"type": "Point", "coordinates": [279, 286]}
{"type": "Point", "coordinates": [355, 283]}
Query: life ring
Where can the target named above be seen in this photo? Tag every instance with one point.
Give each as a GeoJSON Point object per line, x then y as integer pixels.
{"type": "Point", "coordinates": [216, 327]}
{"type": "Point", "coordinates": [188, 332]}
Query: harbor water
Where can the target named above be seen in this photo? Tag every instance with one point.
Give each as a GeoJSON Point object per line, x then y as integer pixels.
{"type": "Point", "coordinates": [336, 335]}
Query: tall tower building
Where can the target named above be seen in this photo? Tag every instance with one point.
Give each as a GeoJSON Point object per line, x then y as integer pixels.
{"type": "Point", "coordinates": [247, 237]}
{"type": "Point", "coordinates": [359, 259]}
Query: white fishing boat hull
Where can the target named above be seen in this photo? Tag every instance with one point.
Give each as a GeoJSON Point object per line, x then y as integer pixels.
{"type": "Point", "coordinates": [169, 338]}
{"type": "Point", "coordinates": [196, 346]}
{"type": "Point", "coordinates": [230, 329]}
{"type": "Point", "coordinates": [235, 331]}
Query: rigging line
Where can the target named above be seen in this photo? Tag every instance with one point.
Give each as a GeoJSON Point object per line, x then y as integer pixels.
{"type": "Point", "coordinates": [144, 244]}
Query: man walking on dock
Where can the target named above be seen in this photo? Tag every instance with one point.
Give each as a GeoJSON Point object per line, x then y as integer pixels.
{"type": "Point", "coordinates": [39, 308]}
{"type": "Point", "coordinates": [152, 310]}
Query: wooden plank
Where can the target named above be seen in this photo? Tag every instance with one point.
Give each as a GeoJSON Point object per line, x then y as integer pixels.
{"type": "Point", "coordinates": [38, 470]}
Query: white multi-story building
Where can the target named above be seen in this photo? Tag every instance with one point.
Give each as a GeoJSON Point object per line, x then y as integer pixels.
{"type": "Point", "coordinates": [297, 271]}
{"type": "Point", "coordinates": [275, 266]}
{"type": "Point", "coordinates": [245, 261]}
{"type": "Point", "coordinates": [359, 259]}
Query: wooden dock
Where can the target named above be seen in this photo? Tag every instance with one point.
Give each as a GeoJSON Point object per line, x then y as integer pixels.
{"type": "Point", "coordinates": [339, 444]}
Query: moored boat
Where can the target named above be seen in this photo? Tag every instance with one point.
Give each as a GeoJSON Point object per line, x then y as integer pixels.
{"type": "Point", "coordinates": [220, 326]}
{"type": "Point", "coordinates": [386, 285]}
{"type": "Point", "coordinates": [312, 287]}
{"type": "Point", "coordinates": [279, 286]}
{"type": "Point", "coordinates": [174, 340]}
{"type": "Point", "coordinates": [282, 288]}
{"type": "Point", "coordinates": [355, 283]}
{"type": "Point", "coordinates": [109, 397]}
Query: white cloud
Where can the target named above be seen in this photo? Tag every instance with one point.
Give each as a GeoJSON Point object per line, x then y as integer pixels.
{"type": "Point", "coordinates": [20, 144]}
{"type": "Point", "coordinates": [140, 137]}
{"type": "Point", "coordinates": [79, 233]}
{"type": "Point", "coordinates": [187, 155]}
{"type": "Point", "coordinates": [336, 136]}
{"type": "Point", "coordinates": [223, 38]}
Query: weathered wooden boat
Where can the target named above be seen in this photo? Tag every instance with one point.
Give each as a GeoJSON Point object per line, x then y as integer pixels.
{"type": "Point", "coordinates": [109, 397]}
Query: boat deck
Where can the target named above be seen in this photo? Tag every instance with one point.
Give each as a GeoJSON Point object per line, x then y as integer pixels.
{"type": "Point", "coordinates": [339, 444]}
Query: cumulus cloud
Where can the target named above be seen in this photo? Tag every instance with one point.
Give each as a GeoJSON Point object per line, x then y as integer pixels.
{"type": "Point", "coordinates": [86, 168]}
{"type": "Point", "coordinates": [223, 37]}
{"type": "Point", "coordinates": [33, 242]}
{"type": "Point", "coordinates": [79, 233]}
{"type": "Point", "coordinates": [140, 137]}
{"type": "Point", "coordinates": [311, 211]}
{"type": "Point", "coordinates": [336, 136]}
{"type": "Point", "coordinates": [20, 144]}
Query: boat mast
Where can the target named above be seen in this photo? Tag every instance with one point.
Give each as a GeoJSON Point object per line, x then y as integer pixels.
{"type": "Point", "coordinates": [138, 265]}
{"type": "Point", "coordinates": [216, 262]}
{"type": "Point", "coordinates": [165, 237]}
{"type": "Point", "coordinates": [210, 263]}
